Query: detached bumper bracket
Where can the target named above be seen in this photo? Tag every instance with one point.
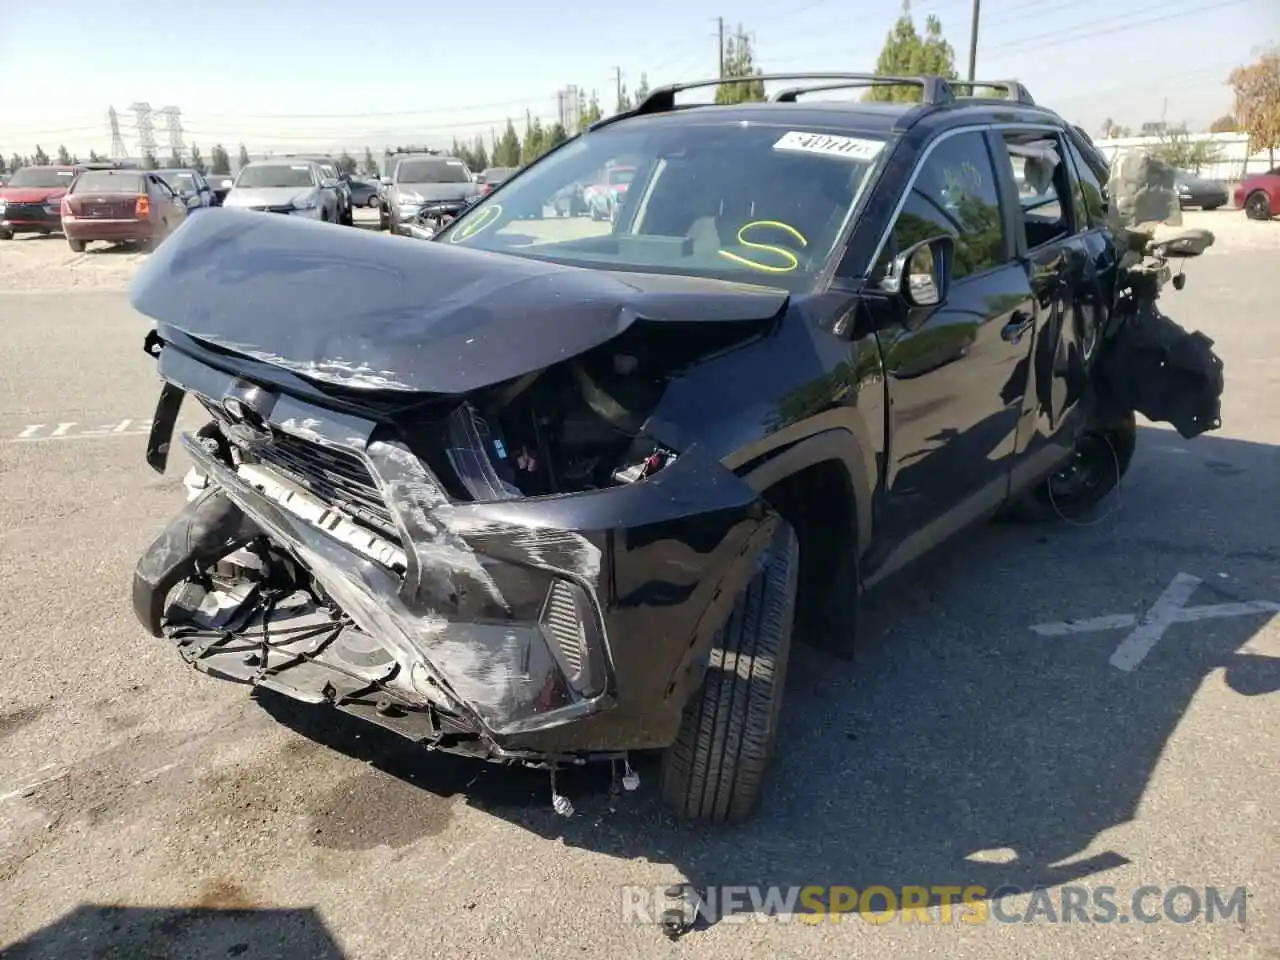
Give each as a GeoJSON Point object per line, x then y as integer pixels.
{"type": "Point", "coordinates": [162, 425]}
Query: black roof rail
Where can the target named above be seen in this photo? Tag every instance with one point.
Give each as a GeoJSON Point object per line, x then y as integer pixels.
{"type": "Point", "coordinates": [934, 90]}
{"type": "Point", "coordinates": [1013, 90]}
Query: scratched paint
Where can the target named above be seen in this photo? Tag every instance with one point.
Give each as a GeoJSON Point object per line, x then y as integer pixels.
{"type": "Point", "coordinates": [77, 430]}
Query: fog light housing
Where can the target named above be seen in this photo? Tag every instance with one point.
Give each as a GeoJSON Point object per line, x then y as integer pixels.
{"type": "Point", "coordinates": [568, 623]}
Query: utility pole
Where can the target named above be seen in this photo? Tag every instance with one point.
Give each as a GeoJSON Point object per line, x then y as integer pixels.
{"type": "Point", "coordinates": [973, 41]}
{"type": "Point", "coordinates": [720, 24]}
{"type": "Point", "coordinates": [617, 83]}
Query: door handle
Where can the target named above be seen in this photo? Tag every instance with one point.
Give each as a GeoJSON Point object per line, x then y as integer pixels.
{"type": "Point", "coordinates": [1018, 325]}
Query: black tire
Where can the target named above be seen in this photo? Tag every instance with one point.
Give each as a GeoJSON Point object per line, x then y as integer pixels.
{"type": "Point", "coordinates": [6, 234]}
{"type": "Point", "coordinates": [1210, 206]}
{"type": "Point", "coordinates": [348, 217]}
{"type": "Point", "coordinates": [1103, 456]}
{"type": "Point", "coordinates": [373, 202]}
{"type": "Point", "coordinates": [715, 770]}
{"type": "Point", "coordinates": [1257, 206]}
{"type": "Point", "coordinates": [77, 246]}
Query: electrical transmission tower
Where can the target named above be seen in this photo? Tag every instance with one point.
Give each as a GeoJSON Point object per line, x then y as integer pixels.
{"type": "Point", "coordinates": [146, 132]}
{"type": "Point", "coordinates": [173, 120]}
{"type": "Point", "coordinates": [118, 150]}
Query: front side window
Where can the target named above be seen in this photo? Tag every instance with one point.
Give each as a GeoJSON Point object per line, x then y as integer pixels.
{"type": "Point", "coordinates": [955, 195]}
{"type": "Point", "coordinates": [746, 201]}
{"type": "Point", "coordinates": [276, 175]}
{"type": "Point", "coordinates": [1093, 194]}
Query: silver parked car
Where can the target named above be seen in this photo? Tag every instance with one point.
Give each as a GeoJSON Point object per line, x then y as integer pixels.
{"type": "Point", "coordinates": [418, 183]}
{"type": "Point", "coordinates": [294, 187]}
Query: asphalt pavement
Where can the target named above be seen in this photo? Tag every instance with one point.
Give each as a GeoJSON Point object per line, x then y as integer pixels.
{"type": "Point", "coordinates": [1074, 707]}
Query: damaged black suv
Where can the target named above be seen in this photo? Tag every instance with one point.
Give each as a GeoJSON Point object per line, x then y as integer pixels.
{"type": "Point", "coordinates": [547, 490]}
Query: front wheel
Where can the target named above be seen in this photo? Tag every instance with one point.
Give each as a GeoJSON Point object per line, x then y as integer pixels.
{"type": "Point", "coordinates": [1257, 206]}
{"type": "Point", "coordinates": [373, 202]}
{"type": "Point", "coordinates": [715, 769]}
{"type": "Point", "coordinates": [77, 246]}
{"type": "Point", "coordinates": [1100, 460]}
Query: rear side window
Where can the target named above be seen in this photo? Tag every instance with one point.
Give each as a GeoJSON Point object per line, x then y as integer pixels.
{"type": "Point", "coordinates": [954, 194]}
{"type": "Point", "coordinates": [1094, 198]}
{"type": "Point", "coordinates": [1044, 185]}
{"type": "Point", "coordinates": [108, 181]}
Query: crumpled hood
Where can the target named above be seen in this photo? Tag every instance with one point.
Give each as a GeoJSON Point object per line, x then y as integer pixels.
{"type": "Point", "coordinates": [365, 310]}
{"type": "Point", "coordinates": [31, 194]}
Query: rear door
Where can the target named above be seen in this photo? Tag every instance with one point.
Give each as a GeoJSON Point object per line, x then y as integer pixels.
{"type": "Point", "coordinates": [1064, 257]}
{"type": "Point", "coordinates": [955, 384]}
{"type": "Point", "coordinates": [167, 204]}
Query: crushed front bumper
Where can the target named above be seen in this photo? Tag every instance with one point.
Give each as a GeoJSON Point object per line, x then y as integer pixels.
{"type": "Point", "coordinates": [545, 628]}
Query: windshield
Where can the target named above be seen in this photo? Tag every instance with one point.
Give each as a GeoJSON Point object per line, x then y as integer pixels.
{"type": "Point", "coordinates": [276, 175]}
{"type": "Point", "coordinates": [431, 171]}
{"type": "Point", "coordinates": [41, 177]}
{"type": "Point", "coordinates": [108, 181]}
{"type": "Point", "coordinates": [746, 202]}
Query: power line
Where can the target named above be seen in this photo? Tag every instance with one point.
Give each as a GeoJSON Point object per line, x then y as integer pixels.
{"type": "Point", "coordinates": [1110, 25]}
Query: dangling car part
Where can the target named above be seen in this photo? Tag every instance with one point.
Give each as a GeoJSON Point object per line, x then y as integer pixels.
{"type": "Point", "coordinates": [548, 490]}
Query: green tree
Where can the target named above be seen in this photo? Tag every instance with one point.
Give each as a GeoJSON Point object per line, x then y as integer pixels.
{"type": "Point", "coordinates": [93, 156]}
{"type": "Point", "coordinates": [907, 53]}
{"type": "Point", "coordinates": [642, 90]}
{"type": "Point", "coordinates": [347, 163]}
{"type": "Point", "coordinates": [370, 167]}
{"type": "Point", "coordinates": [740, 61]}
{"type": "Point", "coordinates": [590, 113]}
{"type": "Point", "coordinates": [479, 154]}
{"type": "Point", "coordinates": [149, 161]}
{"type": "Point", "coordinates": [3, 168]}
{"type": "Point", "coordinates": [64, 157]}
{"type": "Point", "coordinates": [1178, 149]}
{"type": "Point", "coordinates": [16, 163]}
{"type": "Point", "coordinates": [624, 99]}
{"type": "Point", "coordinates": [219, 160]}
{"type": "Point", "coordinates": [1224, 124]}
{"type": "Point", "coordinates": [244, 160]}
{"type": "Point", "coordinates": [556, 135]}
{"type": "Point", "coordinates": [40, 159]}
{"type": "Point", "coordinates": [463, 153]}
{"type": "Point", "coordinates": [197, 161]}
{"type": "Point", "coordinates": [534, 144]}
{"type": "Point", "coordinates": [175, 159]}
{"type": "Point", "coordinates": [1257, 90]}
{"type": "Point", "coordinates": [506, 152]}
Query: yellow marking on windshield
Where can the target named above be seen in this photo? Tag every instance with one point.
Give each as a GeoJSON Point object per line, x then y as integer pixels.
{"type": "Point", "coordinates": [793, 262]}
{"type": "Point", "coordinates": [486, 218]}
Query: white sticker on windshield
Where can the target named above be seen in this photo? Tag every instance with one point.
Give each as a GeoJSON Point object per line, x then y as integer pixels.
{"type": "Point", "coordinates": [298, 166]}
{"type": "Point", "coordinates": [454, 163]}
{"type": "Point", "coordinates": [851, 148]}
{"type": "Point", "coordinates": [66, 173]}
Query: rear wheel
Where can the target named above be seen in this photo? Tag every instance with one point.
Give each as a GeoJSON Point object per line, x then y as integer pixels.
{"type": "Point", "coordinates": [1257, 206]}
{"type": "Point", "coordinates": [6, 234]}
{"type": "Point", "coordinates": [715, 769]}
{"type": "Point", "coordinates": [1101, 458]}
{"type": "Point", "coordinates": [77, 246]}
{"type": "Point", "coordinates": [373, 201]}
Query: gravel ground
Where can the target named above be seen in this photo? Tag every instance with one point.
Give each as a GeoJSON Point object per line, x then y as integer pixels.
{"type": "Point", "coordinates": [147, 811]}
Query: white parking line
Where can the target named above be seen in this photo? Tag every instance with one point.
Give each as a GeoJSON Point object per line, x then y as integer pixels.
{"type": "Point", "coordinates": [1170, 608]}
{"type": "Point", "coordinates": [74, 430]}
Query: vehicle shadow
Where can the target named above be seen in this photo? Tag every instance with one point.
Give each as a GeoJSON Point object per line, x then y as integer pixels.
{"type": "Point", "coordinates": [195, 933]}
{"type": "Point", "coordinates": [958, 747]}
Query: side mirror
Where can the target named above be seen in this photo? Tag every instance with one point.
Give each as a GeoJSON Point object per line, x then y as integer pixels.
{"type": "Point", "coordinates": [330, 183]}
{"type": "Point", "coordinates": [193, 200]}
{"type": "Point", "coordinates": [921, 276]}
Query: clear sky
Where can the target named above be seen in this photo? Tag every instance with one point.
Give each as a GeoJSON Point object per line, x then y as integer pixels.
{"type": "Point", "coordinates": [289, 75]}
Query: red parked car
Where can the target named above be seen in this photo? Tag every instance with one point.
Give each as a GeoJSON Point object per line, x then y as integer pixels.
{"type": "Point", "coordinates": [29, 201]}
{"type": "Point", "coordinates": [121, 206]}
{"type": "Point", "coordinates": [1259, 195]}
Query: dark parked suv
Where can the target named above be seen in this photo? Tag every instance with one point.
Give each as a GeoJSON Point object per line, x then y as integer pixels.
{"type": "Point", "coordinates": [567, 489]}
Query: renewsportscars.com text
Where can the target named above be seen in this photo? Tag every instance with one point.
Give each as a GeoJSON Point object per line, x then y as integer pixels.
{"type": "Point", "coordinates": [1069, 903]}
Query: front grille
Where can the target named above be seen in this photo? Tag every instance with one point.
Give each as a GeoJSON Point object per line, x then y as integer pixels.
{"type": "Point", "coordinates": [338, 478]}
{"type": "Point", "coordinates": [29, 211]}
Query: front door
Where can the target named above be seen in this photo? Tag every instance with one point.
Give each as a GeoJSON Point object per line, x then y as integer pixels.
{"type": "Point", "coordinates": [956, 383]}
